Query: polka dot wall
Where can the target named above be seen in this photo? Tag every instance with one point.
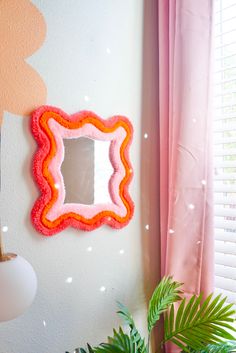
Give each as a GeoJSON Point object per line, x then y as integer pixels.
{"type": "Point", "coordinates": [95, 65]}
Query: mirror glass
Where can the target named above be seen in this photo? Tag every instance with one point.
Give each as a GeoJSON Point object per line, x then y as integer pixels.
{"type": "Point", "coordinates": [86, 170]}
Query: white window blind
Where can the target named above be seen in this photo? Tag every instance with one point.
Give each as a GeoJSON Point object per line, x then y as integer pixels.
{"type": "Point", "coordinates": [225, 147]}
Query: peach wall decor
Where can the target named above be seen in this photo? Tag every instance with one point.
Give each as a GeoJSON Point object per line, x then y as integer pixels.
{"type": "Point", "coordinates": [22, 32]}
{"type": "Point", "coordinates": [50, 213]}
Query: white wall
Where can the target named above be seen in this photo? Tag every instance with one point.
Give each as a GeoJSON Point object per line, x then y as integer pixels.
{"type": "Point", "coordinates": [75, 61]}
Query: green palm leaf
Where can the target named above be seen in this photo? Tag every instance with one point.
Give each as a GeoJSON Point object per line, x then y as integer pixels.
{"type": "Point", "coordinates": [197, 325]}
{"type": "Point", "coordinates": [166, 293]}
{"type": "Point", "coordinates": [125, 314]}
{"type": "Point", "coordinates": [119, 343]}
{"type": "Point", "coordinates": [224, 347]}
{"type": "Point", "coordinates": [134, 334]}
{"type": "Point", "coordinates": [82, 350]}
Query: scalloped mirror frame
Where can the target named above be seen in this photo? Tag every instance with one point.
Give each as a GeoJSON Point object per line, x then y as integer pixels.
{"type": "Point", "coordinates": [50, 213]}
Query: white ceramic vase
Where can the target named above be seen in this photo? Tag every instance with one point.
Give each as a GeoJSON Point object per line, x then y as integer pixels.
{"type": "Point", "coordinates": [18, 285]}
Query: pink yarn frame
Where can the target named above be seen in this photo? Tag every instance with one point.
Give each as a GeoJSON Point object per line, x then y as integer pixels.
{"type": "Point", "coordinates": [117, 213]}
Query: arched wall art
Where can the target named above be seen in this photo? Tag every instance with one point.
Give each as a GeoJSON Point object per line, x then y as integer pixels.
{"type": "Point", "coordinates": [23, 31]}
{"type": "Point", "coordinates": [51, 214]}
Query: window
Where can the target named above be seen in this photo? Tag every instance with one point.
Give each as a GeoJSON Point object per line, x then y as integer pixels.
{"type": "Point", "coordinates": [225, 147]}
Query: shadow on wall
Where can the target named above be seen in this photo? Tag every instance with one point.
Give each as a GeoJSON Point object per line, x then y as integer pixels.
{"type": "Point", "coordinates": [150, 221]}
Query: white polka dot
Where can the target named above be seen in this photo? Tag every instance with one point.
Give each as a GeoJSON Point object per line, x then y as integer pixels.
{"type": "Point", "coordinates": [102, 289]}
{"type": "Point", "coordinates": [4, 229]}
{"type": "Point", "coordinates": [194, 120]}
{"type": "Point", "coordinates": [109, 218]}
{"type": "Point", "coordinates": [147, 226]}
{"type": "Point", "coordinates": [171, 231]}
{"type": "Point", "coordinates": [191, 206]}
{"type": "Point", "coordinates": [57, 186]}
{"type": "Point", "coordinates": [86, 98]}
{"type": "Point", "coordinates": [145, 135]}
{"type": "Point", "coordinates": [108, 50]}
{"type": "Point", "coordinates": [204, 182]}
{"type": "Point", "coordinates": [44, 323]}
{"type": "Point", "coordinates": [69, 280]}
{"type": "Point", "coordinates": [89, 248]}
{"type": "Point", "coordinates": [121, 251]}
{"type": "Point", "coordinates": [198, 242]}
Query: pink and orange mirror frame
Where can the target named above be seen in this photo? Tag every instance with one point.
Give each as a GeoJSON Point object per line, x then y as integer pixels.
{"type": "Point", "coordinates": [50, 213]}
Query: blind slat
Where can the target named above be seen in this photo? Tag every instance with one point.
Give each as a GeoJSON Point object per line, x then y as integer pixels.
{"type": "Point", "coordinates": [225, 176]}
{"type": "Point", "coordinates": [231, 296]}
{"type": "Point", "coordinates": [220, 211]}
{"type": "Point", "coordinates": [222, 200]}
{"type": "Point", "coordinates": [226, 45]}
{"type": "Point", "coordinates": [223, 69]}
{"type": "Point", "coordinates": [225, 271]}
{"type": "Point", "coordinates": [223, 7]}
{"type": "Point", "coordinates": [222, 234]}
{"type": "Point", "coordinates": [223, 117]}
{"type": "Point", "coordinates": [224, 130]}
{"type": "Point", "coordinates": [221, 57]}
{"type": "Point", "coordinates": [223, 106]}
{"type": "Point", "coordinates": [226, 81]}
{"type": "Point", "coordinates": [225, 92]}
{"type": "Point", "coordinates": [225, 259]}
{"type": "Point", "coordinates": [225, 283]}
{"type": "Point", "coordinates": [219, 187]}
{"type": "Point", "coordinates": [221, 223]}
{"type": "Point", "coordinates": [224, 140]}
{"type": "Point", "coordinates": [225, 151]}
{"type": "Point", "coordinates": [224, 127]}
{"type": "Point", "coordinates": [225, 164]}
{"type": "Point", "coordinates": [225, 248]}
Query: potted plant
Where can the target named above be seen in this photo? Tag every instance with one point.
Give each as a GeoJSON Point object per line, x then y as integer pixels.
{"type": "Point", "coordinates": [197, 326]}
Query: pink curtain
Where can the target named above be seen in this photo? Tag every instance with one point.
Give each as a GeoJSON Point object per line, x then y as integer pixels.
{"type": "Point", "coordinates": [187, 247]}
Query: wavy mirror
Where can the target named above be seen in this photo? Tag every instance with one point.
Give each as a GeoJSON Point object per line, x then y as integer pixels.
{"type": "Point", "coordinates": [82, 169]}
{"type": "Point", "coordinates": [88, 182]}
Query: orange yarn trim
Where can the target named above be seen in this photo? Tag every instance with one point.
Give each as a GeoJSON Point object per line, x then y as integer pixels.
{"type": "Point", "coordinates": [73, 124]}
